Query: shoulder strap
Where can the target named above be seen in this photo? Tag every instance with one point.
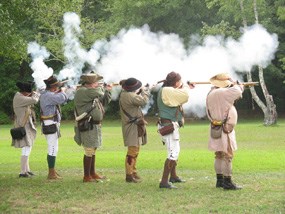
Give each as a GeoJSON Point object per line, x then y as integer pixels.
{"type": "Point", "coordinates": [131, 119]}
{"type": "Point", "coordinates": [126, 113]}
{"type": "Point", "coordinates": [94, 102]}
{"type": "Point", "coordinates": [26, 116]}
{"type": "Point", "coordinates": [208, 112]}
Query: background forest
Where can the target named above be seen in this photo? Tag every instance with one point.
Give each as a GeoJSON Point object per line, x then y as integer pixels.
{"type": "Point", "coordinates": [23, 21]}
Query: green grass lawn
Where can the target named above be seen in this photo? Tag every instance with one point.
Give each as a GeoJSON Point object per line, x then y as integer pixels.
{"type": "Point", "coordinates": [259, 166]}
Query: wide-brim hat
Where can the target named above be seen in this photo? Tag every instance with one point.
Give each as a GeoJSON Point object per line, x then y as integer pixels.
{"type": "Point", "coordinates": [90, 78]}
{"type": "Point", "coordinates": [221, 80]}
{"type": "Point", "coordinates": [131, 84]}
{"type": "Point", "coordinates": [25, 86]}
{"type": "Point", "coordinates": [52, 82]}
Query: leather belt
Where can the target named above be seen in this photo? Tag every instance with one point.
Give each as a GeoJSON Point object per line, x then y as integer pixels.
{"type": "Point", "coordinates": [96, 122]}
{"type": "Point", "coordinates": [163, 120]}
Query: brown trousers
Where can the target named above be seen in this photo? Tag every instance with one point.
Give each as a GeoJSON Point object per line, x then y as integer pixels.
{"type": "Point", "coordinates": [131, 159]}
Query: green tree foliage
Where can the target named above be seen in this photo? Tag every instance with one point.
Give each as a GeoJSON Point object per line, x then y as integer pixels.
{"type": "Point", "coordinates": [183, 17]}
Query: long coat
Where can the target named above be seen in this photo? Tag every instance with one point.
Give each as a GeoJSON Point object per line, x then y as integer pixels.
{"type": "Point", "coordinates": [83, 100]}
{"type": "Point", "coordinates": [21, 105]}
{"type": "Point", "coordinates": [132, 103]}
{"type": "Point", "coordinates": [220, 104]}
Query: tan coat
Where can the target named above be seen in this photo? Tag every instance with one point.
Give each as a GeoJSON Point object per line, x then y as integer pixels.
{"type": "Point", "coordinates": [21, 104]}
{"type": "Point", "coordinates": [132, 103]}
{"type": "Point", "coordinates": [220, 102]}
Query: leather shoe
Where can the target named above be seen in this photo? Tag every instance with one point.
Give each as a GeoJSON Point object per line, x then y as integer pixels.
{"type": "Point", "coordinates": [176, 180]}
{"type": "Point", "coordinates": [167, 186]}
{"type": "Point", "coordinates": [31, 173]}
{"type": "Point", "coordinates": [25, 175]}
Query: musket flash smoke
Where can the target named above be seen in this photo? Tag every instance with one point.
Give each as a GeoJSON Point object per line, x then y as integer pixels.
{"type": "Point", "coordinates": [149, 56]}
{"type": "Point", "coordinates": [40, 70]}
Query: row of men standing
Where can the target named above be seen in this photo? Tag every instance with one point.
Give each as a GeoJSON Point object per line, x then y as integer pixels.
{"type": "Point", "coordinates": [172, 95]}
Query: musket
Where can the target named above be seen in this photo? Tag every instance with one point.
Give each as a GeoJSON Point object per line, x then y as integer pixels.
{"type": "Point", "coordinates": [103, 83]}
{"type": "Point", "coordinates": [64, 81]}
{"type": "Point", "coordinates": [246, 84]}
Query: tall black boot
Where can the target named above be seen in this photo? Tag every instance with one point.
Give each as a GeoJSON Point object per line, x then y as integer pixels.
{"type": "Point", "coordinates": [229, 185]}
{"type": "Point", "coordinates": [220, 180]}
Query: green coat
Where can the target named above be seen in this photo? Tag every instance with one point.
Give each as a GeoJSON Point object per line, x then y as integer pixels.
{"type": "Point", "coordinates": [83, 100]}
{"type": "Point", "coordinates": [132, 103]}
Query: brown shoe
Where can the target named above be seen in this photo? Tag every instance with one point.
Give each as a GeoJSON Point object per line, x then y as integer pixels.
{"type": "Point", "coordinates": [57, 175]}
{"type": "Point", "coordinates": [136, 176]}
{"type": "Point", "coordinates": [88, 179]}
{"type": "Point", "coordinates": [51, 174]}
{"type": "Point", "coordinates": [98, 177]}
{"type": "Point", "coordinates": [131, 179]}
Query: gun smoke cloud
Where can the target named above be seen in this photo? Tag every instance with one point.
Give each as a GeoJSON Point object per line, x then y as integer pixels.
{"type": "Point", "coordinates": [149, 57]}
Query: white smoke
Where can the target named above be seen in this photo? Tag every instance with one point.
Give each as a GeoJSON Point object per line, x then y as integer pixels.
{"type": "Point", "coordinates": [75, 55]}
{"type": "Point", "coordinates": [149, 57]}
{"type": "Point", "coordinates": [40, 70]}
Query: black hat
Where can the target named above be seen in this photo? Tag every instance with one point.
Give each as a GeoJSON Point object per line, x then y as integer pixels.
{"type": "Point", "coordinates": [25, 86]}
{"type": "Point", "coordinates": [131, 84]}
{"type": "Point", "coordinates": [52, 81]}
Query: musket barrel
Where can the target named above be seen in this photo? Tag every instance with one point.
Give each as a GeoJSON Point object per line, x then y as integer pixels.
{"type": "Point", "coordinates": [189, 82]}
{"type": "Point", "coordinates": [242, 83]}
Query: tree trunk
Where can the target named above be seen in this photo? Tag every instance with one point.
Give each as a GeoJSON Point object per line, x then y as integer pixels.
{"type": "Point", "coordinates": [269, 109]}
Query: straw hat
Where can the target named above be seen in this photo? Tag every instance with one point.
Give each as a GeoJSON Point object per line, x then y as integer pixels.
{"type": "Point", "coordinates": [131, 84]}
{"type": "Point", "coordinates": [221, 80]}
{"type": "Point", "coordinates": [90, 78]}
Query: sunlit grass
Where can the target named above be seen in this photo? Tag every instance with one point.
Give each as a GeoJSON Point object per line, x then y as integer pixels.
{"type": "Point", "coordinates": [259, 166]}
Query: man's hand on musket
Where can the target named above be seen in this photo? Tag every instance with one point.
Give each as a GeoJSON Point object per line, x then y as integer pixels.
{"type": "Point", "coordinates": [191, 85]}
{"type": "Point", "coordinates": [108, 87]}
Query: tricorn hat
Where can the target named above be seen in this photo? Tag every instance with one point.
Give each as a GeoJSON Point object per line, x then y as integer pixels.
{"type": "Point", "coordinates": [52, 81]}
{"type": "Point", "coordinates": [90, 78]}
{"type": "Point", "coordinates": [25, 86]}
{"type": "Point", "coordinates": [131, 84]}
{"type": "Point", "coordinates": [221, 80]}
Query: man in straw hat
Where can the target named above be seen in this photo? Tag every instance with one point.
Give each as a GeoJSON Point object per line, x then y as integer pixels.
{"type": "Point", "coordinates": [50, 100]}
{"type": "Point", "coordinates": [132, 98]}
{"type": "Point", "coordinates": [172, 95]}
{"type": "Point", "coordinates": [223, 116]}
{"type": "Point", "coordinates": [23, 104]}
{"type": "Point", "coordinates": [91, 93]}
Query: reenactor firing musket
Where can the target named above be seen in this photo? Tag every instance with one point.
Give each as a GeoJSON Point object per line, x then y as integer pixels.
{"type": "Point", "coordinates": [246, 84]}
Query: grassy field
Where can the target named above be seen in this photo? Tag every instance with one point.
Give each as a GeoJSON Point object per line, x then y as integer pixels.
{"type": "Point", "coordinates": [259, 166]}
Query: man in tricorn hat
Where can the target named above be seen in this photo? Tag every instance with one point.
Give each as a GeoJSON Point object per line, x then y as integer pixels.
{"type": "Point", "coordinates": [223, 116]}
{"type": "Point", "coordinates": [23, 105]}
{"type": "Point", "coordinates": [92, 97]}
{"type": "Point", "coordinates": [50, 100]}
{"type": "Point", "coordinates": [172, 95]}
{"type": "Point", "coordinates": [132, 98]}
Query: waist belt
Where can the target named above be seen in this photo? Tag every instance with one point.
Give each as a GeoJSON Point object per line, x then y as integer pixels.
{"type": "Point", "coordinates": [96, 122]}
{"type": "Point", "coordinates": [163, 120]}
{"type": "Point", "coordinates": [47, 117]}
